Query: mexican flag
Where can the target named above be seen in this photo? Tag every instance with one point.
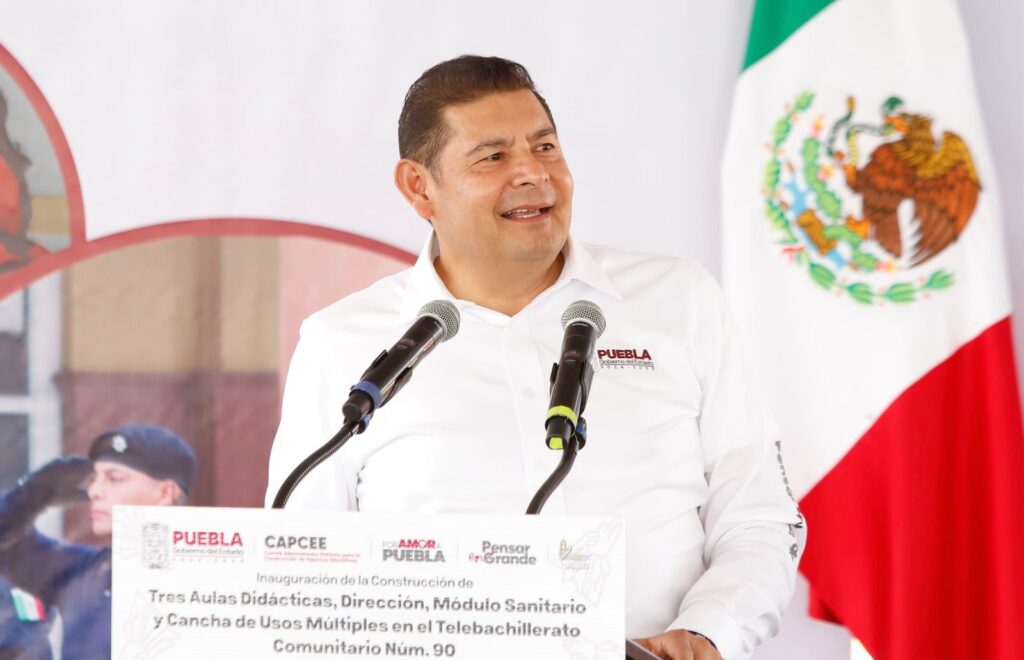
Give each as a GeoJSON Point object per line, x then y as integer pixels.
{"type": "Point", "coordinates": [27, 607]}
{"type": "Point", "coordinates": [864, 260]}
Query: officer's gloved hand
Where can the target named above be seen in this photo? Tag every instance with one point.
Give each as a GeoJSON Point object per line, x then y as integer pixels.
{"type": "Point", "coordinates": [58, 482]}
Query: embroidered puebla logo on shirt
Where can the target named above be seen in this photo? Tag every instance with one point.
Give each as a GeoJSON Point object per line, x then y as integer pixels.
{"type": "Point", "coordinates": [625, 358]}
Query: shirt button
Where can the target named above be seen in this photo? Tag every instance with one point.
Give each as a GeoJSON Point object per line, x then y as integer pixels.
{"type": "Point", "coordinates": [529, 392]}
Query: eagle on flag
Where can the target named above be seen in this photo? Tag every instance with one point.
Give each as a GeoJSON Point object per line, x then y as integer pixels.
{"type": "Point", "coordinates": [939, 177]}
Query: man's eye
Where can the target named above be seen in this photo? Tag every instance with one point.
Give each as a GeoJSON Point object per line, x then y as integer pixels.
{"type": "Point", "coordinates": [494, 157]}
{"type": "Point", "coordinates": [547, 146]}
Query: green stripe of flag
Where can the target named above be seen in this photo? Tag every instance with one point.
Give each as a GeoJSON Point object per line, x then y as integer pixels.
{"type": "Point", "coordinates": [774, 21]}
{"type": "Point", "coordinates": [19, 607]}
{"type": "Point", "coordinates": [27, 606]}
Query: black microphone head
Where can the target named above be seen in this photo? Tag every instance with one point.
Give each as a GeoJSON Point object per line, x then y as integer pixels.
{"type": "Point", "coordinates": [446, 314]}
{"type": "Point", "coordinates": [584, 311]}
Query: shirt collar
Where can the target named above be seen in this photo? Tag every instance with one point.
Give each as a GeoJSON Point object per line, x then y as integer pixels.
{"type": "Point", "coordinates": [425, 285]}
{"type": "Point", "coordinates": [581, 266]}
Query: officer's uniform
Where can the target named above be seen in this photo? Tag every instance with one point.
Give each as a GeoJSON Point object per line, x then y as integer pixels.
{"type": "Point", "coordinates": [75, 579]}
{"type": "Point", "coordinates": [26, 634]}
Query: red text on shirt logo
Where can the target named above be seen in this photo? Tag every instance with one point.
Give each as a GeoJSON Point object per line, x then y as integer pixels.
{"type": "Point", "coordinates": [625, 358]}
{"type": "Point", "coordinates": [624, 353]}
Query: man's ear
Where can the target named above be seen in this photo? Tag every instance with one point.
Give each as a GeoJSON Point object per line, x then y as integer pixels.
{"type": "Point", "coordinates": [413, 181]}
{"type": "Point", "coordinates": [170, 493]}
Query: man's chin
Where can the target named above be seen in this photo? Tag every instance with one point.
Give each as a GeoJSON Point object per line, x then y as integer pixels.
{"type": "Point", "coordinates": [532, 255]}
{"type": "Point", "coordinates": [543, 249]}
{"type": "Point", "coordinates": [101, 525]}
{"type": "Point", "coordinates": [533, 245]}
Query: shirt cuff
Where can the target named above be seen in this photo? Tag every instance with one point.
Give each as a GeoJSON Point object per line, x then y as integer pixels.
{"type": "Point", "coordinates": [716, 625]}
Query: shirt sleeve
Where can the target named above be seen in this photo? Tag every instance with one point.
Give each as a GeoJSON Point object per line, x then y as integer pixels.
{"type": "Point", "coordinates": [754, 531]}
{"type": "Point", "coordinates": [46, 567]}
{"type": "Point", "coordinates": [310, 416]}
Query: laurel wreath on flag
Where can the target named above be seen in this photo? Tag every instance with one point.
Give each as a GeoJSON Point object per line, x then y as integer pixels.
{"type": "Point", "coordinates": [829, 204]}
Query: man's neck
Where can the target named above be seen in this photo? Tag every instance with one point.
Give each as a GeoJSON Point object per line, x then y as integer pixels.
{"type": "Point", "coordinates": [503, 288]}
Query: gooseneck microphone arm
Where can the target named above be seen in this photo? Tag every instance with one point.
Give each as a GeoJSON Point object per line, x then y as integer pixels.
{"type": "Point", "coordinates": [565, 429]}
{"type": "Point", "coordinates": [437, 321]}
{"type": "Point", "coordinates": [348, 429]}
{"type": "Point", "coordinates": [572, 447]}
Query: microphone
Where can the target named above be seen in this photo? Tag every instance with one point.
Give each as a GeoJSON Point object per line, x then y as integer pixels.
{"type": "Point", "coordinates": [436, 322]}
{"type": "Point", "coordinates": [583, 323]}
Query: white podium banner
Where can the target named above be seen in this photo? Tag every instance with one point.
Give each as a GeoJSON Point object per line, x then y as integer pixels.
{"type": "Point", "coordinates": [253, 583]}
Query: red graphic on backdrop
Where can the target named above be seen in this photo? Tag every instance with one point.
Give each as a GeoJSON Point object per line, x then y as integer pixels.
{"type": "Point", "coordinates": [27, 260]}
{"type": "Point", "coordinates": [21, 218]}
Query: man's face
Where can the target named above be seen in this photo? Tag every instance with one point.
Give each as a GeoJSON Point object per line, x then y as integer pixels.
{"type": "Point", "coordinates": [503, 194]}
{"type": "Point", "coordinates": [113, 483]}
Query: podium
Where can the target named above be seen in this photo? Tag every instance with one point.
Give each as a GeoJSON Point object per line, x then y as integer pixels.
{"type": "Point", "coordinates": [259, 583]}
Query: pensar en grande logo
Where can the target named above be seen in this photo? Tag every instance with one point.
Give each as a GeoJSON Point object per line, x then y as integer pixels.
{"type": "Point", "coordinates": [867, 228]}
{"type": "Point", "coordinates": [503, 553]}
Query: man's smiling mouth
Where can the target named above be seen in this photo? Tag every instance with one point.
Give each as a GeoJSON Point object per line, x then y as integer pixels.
{"type": "Point", "coordinates": [526, 212]}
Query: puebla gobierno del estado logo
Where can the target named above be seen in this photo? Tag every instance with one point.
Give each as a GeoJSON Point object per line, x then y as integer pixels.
{"type": "Point", "coordinates": [867, 230]}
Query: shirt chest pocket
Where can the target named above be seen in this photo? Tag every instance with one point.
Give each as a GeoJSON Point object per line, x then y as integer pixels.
{"type": "Point", "coordinates": [442, 447]}
{"type": "Point", "coordinates": [644, 421]}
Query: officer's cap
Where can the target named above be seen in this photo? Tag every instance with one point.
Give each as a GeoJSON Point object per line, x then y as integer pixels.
{"type": "Point", "coordinates": [148, 448]}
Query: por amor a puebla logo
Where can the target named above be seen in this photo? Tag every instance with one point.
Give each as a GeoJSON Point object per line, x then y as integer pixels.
{"type": "Point", "coordinates": [867, 226]}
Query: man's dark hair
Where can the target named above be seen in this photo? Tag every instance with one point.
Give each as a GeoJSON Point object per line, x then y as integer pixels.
{"type": "Point", "coordinates": [422, 132]}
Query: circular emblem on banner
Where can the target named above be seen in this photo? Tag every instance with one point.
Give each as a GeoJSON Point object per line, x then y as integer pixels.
{"type": "Point", "coordinates": [864, 206]}
{"type": "Point", "coordinates": [40, 200]}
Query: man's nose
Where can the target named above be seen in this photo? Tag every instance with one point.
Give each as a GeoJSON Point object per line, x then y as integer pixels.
{"type": "Point", "coordinates": [95, 490]}
{"type": "Point", "coordinates": [529, 170]}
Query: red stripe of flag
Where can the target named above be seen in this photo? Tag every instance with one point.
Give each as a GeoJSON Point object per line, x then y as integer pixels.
{"type": "Point", "coordinates": [40, 609]}
{"type": "Point", "coordinates": [917, 534]}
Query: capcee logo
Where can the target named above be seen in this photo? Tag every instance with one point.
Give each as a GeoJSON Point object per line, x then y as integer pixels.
{"type": "Point", "coordinates": [310, 548]}
{"type": "Point", "coordinates": [284, 542]}
{"type": "Point", "coordinates": [502, 553]}
{"type": "Point", "coordinates": [412, 550]}
{"type": "Point", "coordinates": [625, 358]}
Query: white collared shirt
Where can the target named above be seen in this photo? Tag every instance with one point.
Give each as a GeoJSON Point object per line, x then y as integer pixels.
{"type": "Point", "coordinates": [678, 444]}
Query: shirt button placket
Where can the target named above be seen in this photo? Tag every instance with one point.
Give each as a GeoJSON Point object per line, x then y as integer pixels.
{"type": "Point", "coordinates": [529, 388]}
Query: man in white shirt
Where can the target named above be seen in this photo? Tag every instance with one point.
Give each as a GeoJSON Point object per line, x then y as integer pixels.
{"type": "Point", "coordinates": [678, 445]}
